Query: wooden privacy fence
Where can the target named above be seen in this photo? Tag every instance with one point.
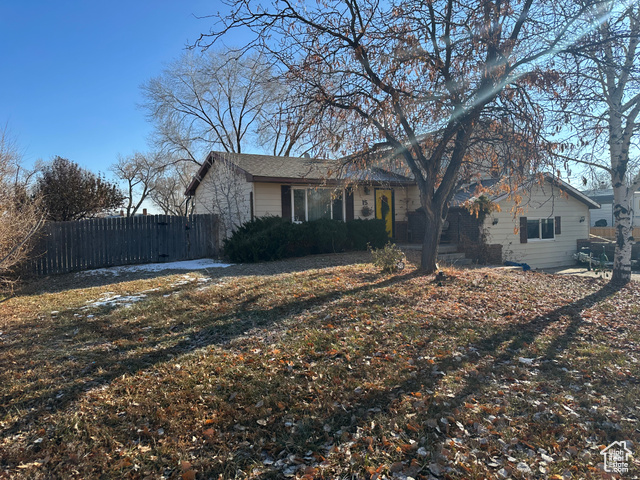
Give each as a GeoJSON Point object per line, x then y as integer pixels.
{"type": "Point", "coordinates": [106, 242]}
{"type": "Point", "coordinates": [610, 232]}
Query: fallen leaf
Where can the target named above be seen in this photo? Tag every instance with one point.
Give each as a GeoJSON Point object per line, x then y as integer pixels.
{"type": "Point", "coordinates": [189, 475]}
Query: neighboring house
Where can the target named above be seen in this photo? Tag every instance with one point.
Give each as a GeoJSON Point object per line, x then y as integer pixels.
{"type": "Point", "coordinates": [542, 230]}
{"type": "Point", "coordinates": [604, 197]}
{"type": "Point", "coordinates": [240, 187]}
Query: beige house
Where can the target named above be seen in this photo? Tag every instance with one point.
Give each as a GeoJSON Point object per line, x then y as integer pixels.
{"type": "Point", "coordinates": [240, 187]}
{"type": "Point", "coordinates": [541, 229]}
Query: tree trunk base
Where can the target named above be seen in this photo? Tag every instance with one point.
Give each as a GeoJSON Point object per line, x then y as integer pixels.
{"type": "Point", "coordinates": [429, 256]}
{"type": "Point", "coordinates": [620, 279]}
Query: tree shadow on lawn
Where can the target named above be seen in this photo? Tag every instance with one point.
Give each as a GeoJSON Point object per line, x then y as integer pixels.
{"type": "Point", "coordinates": [105, 361]}
{"type": "Point", "coordinates": [368, 406]}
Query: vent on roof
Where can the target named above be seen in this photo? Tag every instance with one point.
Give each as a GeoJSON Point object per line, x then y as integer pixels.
{"type": "Point", "coordinates": [306, 155]}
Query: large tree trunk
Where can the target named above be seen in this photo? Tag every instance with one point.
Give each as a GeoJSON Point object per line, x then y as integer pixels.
{"type": "Point", "coordinates": [619, 144]}
{"type": "Point", "coordinates": [433, 226]}
{"type": "Point", "coordinates": [622, 224]}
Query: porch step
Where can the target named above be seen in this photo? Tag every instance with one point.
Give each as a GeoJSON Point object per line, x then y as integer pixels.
{"type": "Point", "coordinates": [454, 259]}
{"type": "Point", "coordinates": [447, 253]}
{"type": "Point", "coordinates": [442, 248]}
{"type": "Point", "coordinates": [447, 248]}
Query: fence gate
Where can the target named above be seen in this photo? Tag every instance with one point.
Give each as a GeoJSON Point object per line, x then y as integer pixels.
{"type": "Point", "coordinates": [107, 242]}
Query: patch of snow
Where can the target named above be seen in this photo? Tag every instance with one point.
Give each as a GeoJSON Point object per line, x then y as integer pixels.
{"type": "Point", "coordinates": [186, 280]}
{"type": "Point", "coordinates": [526, 361]}
{"type": "Point", "coordinates": [151, 290]}
{"type": "Point", "coordinates": [116, 300]}
{"type": "Point", "coordinates": [200, 264]}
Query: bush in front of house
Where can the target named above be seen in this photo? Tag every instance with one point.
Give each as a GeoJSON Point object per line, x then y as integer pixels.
{"type": "Point", "coordinates": [323, 236]}
{"type": "Point", "coordinates": [272, 238]}
{"type": "Point", "coordinates": [364, 233]}
{"type": "Point", "coordinates": [264, 238]}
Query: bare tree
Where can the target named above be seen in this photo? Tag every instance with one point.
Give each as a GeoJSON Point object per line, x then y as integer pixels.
{"type": "Point", "coordinates": [596, 179]}
{"type": "Point", "coordinates": [206, 101]}
{"type": "Point", "coordinates": [286, 122]}
{"type": "Point", "coordinates": [223, 100]}
{"type": "Point", "coordinates": [139, 173]}
{"type": "Point", "coordinates": [418, 78]}
{"type": "Point", "coordinates": [599, 112]}
{"type": "Point", "coordinates": [20, 217]}
{"type": "Point", "coordinates": [168, 193]}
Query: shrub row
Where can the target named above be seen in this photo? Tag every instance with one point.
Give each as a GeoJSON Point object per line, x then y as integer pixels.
{"type": "Point", "coordinates": [272, 238]}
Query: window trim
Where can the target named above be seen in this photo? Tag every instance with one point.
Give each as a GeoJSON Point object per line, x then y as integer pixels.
{"type": "Point", "coordinates": [306, 202]}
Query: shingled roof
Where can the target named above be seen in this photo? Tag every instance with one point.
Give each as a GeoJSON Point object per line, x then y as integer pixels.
{"type": "Point", "coordinates": [469, 192]}
{"type": "Point", "coordinates": [271, 169]}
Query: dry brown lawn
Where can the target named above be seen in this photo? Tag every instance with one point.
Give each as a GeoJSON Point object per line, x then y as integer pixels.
{"type": "Point", "coordinates": [317, 368]}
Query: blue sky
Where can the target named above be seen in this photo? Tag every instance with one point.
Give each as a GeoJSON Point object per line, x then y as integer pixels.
{"type": "Point", "coordinates": [72, 70]}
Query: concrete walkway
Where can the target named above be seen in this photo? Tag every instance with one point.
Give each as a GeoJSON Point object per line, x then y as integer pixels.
{"type": "Point", "coordinates": [413, 250]}
{"type": "Point", "coordinates": [583, 272]}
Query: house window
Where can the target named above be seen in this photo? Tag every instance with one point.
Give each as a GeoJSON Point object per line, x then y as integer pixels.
{"type": "Point", "coordinates": [314, 203]}
{"type": "Point", "coordinates": [542, 229]}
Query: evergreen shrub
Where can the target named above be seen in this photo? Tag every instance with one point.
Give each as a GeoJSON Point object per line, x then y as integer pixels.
{"type": "Point", "coordinates": [273, 238]}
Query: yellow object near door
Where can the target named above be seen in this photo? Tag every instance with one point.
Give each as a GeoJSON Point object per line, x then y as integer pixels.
{"type": "Point", "coordinates": [384, 209]}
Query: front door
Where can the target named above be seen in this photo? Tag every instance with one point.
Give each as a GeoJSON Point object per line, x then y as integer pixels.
{"type": "Point", "coordinates": [384, 208]}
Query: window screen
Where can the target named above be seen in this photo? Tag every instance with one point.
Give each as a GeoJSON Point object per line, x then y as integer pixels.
{"type": "Point", "coordinates": [533, 228]}
{"type": "Point", "coordinates": [547, 228]}
{"type": "Point", "coordinates": [299, 206]}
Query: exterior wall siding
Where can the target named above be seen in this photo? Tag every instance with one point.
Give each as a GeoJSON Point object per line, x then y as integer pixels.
{"type": "Point", "coordinates": [604, 212]}
{"type": "Point", "coordinates": [462, 227]}
{"type": "Point", "coordinates": [404, 201]}
{"type": "Point", "coordinates": [267, 199]}
{"type": "Point", "coordinates": [225, 193]}
{"type": "Point", "coordinates": [413, 196]}
{"type": "Point", "coordinates": [544, 201]}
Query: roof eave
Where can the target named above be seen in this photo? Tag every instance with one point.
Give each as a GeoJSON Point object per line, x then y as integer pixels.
{"type": "Point", "coordinates": [573, 191]}
{"type": "Point", "coordinates": [204, 169]}
{"type": "Point", "coordinates": [199, 176]}
{"type": "Point", "coordinates": [328, 181]}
